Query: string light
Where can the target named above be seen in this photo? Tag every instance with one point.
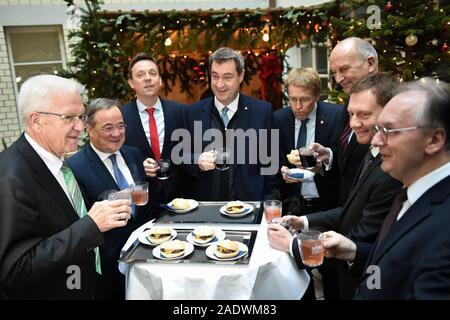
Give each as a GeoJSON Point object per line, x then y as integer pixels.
{"type": "Point", "coordinates": [168, 42]}
{"type": "Point", "coordinates": [265, 36]}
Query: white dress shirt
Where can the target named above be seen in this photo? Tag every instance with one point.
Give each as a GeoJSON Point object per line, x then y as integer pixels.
{"type": "Point", "coordinates": [232, 106]}
{"type": "Point", "coordinates": [159, 119]}
{"type": "Point", "coordinates": [120, 163]}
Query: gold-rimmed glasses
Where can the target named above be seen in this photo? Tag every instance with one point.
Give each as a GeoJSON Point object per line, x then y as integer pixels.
{"type": "Point", "coordinates": [67, 118]}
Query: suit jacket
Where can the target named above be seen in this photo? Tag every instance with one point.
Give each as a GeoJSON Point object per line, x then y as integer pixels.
{"type": "Point", "coordinates": [348, 166]}
{"type": "Point", "coordinates": [360, 219]}
{"type": "Point", "coordinates": [165, 190]}
{"type": "Point", "coordinates": [248, 183]}
{"type": "Point", "coordinates": [95, 179]}
{"type": "Point", "coordinates": [413, 259]}
{"type": "Point", "coordinates": [326, 133]}
{"type": "Point", "coordinates": [42, 237]}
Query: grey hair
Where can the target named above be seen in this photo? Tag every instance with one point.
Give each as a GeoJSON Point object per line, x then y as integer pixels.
{"type": "Point", "coordinates": [363, 48]}
{"type": "Point", "coordinates": [225, 54]}
{"type": "Point", "coordinates": [99, 104]}
{"type": "Point", "coordinates": [436, 111]}
{"type": "Point", "coordinates": [37, 93]}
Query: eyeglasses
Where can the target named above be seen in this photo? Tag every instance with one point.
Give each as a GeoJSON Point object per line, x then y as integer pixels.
{"type": "Point", "coordinates": [302, 100]}
{"type": "Point", "coordinates": [111, 128]}
{"type": "Point", "coordinates": [385, 132]}
{"type": "Point", "coordinates": [67, 118]}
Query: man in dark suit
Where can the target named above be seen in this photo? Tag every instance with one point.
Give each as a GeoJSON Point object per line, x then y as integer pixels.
{"type": "Point", "coordinates": [351, 60]}
{"type": "Point", "coordinates": [228, 116]}
{"type": "Point", "coordinates": [320, 120]}
{"type": "Point", "coordinates": [151, 121]}
{"type": "Point", "coordinates": [410, 259]}
{"type": "Point", "coordinates": [94, 170]}
{"type": "Point", "coordinates": [48, 240]}
{"type": "Point", "coordinates": [370, 198]}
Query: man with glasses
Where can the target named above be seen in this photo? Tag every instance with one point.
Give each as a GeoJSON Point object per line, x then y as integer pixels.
{"type": "Point", "coordinates": [308, 120]}
{"type": "Point", "coordinates": [48, 240]}
{"type": "Point", "coordinates": [410, 258]}
{"type": "Point", "coordinates": [371, 195]}
{"type": "Point", "coordinates": [101, 166]}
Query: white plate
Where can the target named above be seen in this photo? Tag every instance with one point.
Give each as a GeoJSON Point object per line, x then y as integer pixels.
{"type": "Point", "coordinates": [189, 248]}
{"type": "Point", "coordinates": [143, 237]}
{"type": "Point", "coordinates": [243, 250]}
{"type": "Point", "coordinates": [299, 174]}
{"type": "Point", "coordinates": [218, 235]}
{"type": "Point", "coordinates": [248, 208]}
{"type": "Point", "coordinates": [192, 205]}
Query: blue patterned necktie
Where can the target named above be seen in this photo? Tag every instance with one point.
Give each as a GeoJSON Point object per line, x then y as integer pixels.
{"type": "Point", "coordinates": [224, 116]}
{"type": "Point", "coordinates": [78, 203]}
{"type": "Point", "coordinates": [120, 179]}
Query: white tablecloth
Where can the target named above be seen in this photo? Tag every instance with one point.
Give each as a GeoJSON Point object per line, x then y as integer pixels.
{"type": "Point", "coordinates": [270, 275]}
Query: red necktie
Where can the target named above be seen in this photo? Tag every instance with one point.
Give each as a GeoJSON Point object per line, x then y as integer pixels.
{"type": "Point", "coordinates": [154, 139]}
{"type": "Point", "coordinates": [344, 139]}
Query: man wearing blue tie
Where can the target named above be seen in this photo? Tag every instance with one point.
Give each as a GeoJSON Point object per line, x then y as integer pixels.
{"type": "Point", "coordinates": [104, 165]}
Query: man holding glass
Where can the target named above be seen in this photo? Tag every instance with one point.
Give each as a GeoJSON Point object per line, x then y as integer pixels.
{"type": "Point", "coordinates": [410, 258]}
{"type": "Point", "coordinates": [103, 165]}
{"type": "Point", "coordinates": [48, 240]}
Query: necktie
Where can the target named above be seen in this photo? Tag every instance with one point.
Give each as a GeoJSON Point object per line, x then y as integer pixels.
{"type": "Point", "coordinates": [154, 139]}
{"type": "Point", "coordinates": [301, 139]}
{"type": "Point", "coordinates": [120, 179]}
{"type": "Point", "coordinates": [224, 116]}
{"type": "Point", "coordinates": [366, 163]}
{"type": "Point", "coordinates": [78, 202]}
{"type": "Point", "coordinates": [392, 215]}
{"type": "Point", "coordinates": [344, 139]}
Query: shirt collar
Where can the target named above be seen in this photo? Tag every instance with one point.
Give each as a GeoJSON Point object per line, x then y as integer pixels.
{"type": "Point", "coordinates": [102, 155]}
{"type": "Point", "coordinates": [418, 188]}
{"type": "Point", "coordinates": [374, 151]}
{"type": "Point", "coordinates": [143, 108]}
{"type": "Point", "coordinates": [53, 163]}
{"type": "Point", "coordinates": [233, 105]}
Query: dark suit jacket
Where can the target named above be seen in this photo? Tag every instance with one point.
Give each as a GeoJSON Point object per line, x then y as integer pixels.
{"type": "Point", "coordinates": [135, 136]}
{"type": "Point", "coordinates": [248, 183]}
{"type": "Point", "coordinates": [360, 219]}
{"type": "Point", "coordinates": [326, 133]}
{"type": "Point", "coordinates": [95, 179]}
{"type": "Point", "coordinates": [414, 257]}
{"type": "Point", "coordinates": [348, 167]}
{"type": "Point", "coordinates": [41, 235]}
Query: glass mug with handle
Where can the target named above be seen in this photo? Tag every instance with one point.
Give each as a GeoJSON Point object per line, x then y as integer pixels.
{"type": "Point", "coordinates": [139, 193]}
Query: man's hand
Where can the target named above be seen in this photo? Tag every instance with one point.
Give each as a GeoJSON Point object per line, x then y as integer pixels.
{"type": "Point", "coordinates": [206, 161]}
{"type": "Point", "coordinates": [293, 221]}
{"type": "Point", "coordinates": [279, 237]}
{"type": "Point", "coordinates": [284, 170]}
{"type": "Point", "coordinates": [339, 247]}
{"type": "Point", "coordinates": [110, 214]}
{"type": "Point", "coordinates": [151, 167]}
{"type": "Point", "coordinates": [323, 154]}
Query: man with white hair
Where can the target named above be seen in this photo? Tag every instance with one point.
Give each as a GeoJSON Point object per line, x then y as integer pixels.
{"type": "Point", "coordinates": [48, 240]}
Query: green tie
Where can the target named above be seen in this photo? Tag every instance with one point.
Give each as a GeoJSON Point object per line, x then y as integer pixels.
{"type": "Point", "coordinates": [80, 207]}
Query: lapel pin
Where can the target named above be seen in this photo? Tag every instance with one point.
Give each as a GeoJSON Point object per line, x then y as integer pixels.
{"type": "Point", "coordinates": [245, 108]}
{"type": "Point", "coordinates": [321, 121]}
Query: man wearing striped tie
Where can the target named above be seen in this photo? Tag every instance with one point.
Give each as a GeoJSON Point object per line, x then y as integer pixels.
{"type": "Point", "coordinates": [48, 240]}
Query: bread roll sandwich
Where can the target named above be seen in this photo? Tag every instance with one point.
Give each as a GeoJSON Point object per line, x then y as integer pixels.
{"type": "Point", "coordinates": [203, 234]}
{"type": "Point", "coordinates": [159, 235]}
{"type": "Point", "coordinates": [227, 249]}
{"type": "Point", "coordinates": [234, 207]}
{"type": "Point", "coordinates": [291, 157]}
{"type": "Point", "coordinates": [180, 204]}
{"type": "Point", "coordinates": [172, 249]}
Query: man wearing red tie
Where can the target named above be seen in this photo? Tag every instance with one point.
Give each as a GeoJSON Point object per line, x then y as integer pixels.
{"type": "Point", "coordinates": [150, 122]}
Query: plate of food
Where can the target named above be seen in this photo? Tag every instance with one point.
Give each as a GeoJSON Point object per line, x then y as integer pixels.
{"type": "Point", "coordinates": [226, 250]}
{"type": "Point", "coordinates": [157, 235]}
{"type": "Point", "coordinates": [180, 205]}
{"type": "Point", "coordinates": [299, 174]}
{"type": "Point", "coordinates": [203, 236]}
{"type": "Point", "coordinates": [173, 249]}
{"type": "Point", "coordinates": [236, 209]}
